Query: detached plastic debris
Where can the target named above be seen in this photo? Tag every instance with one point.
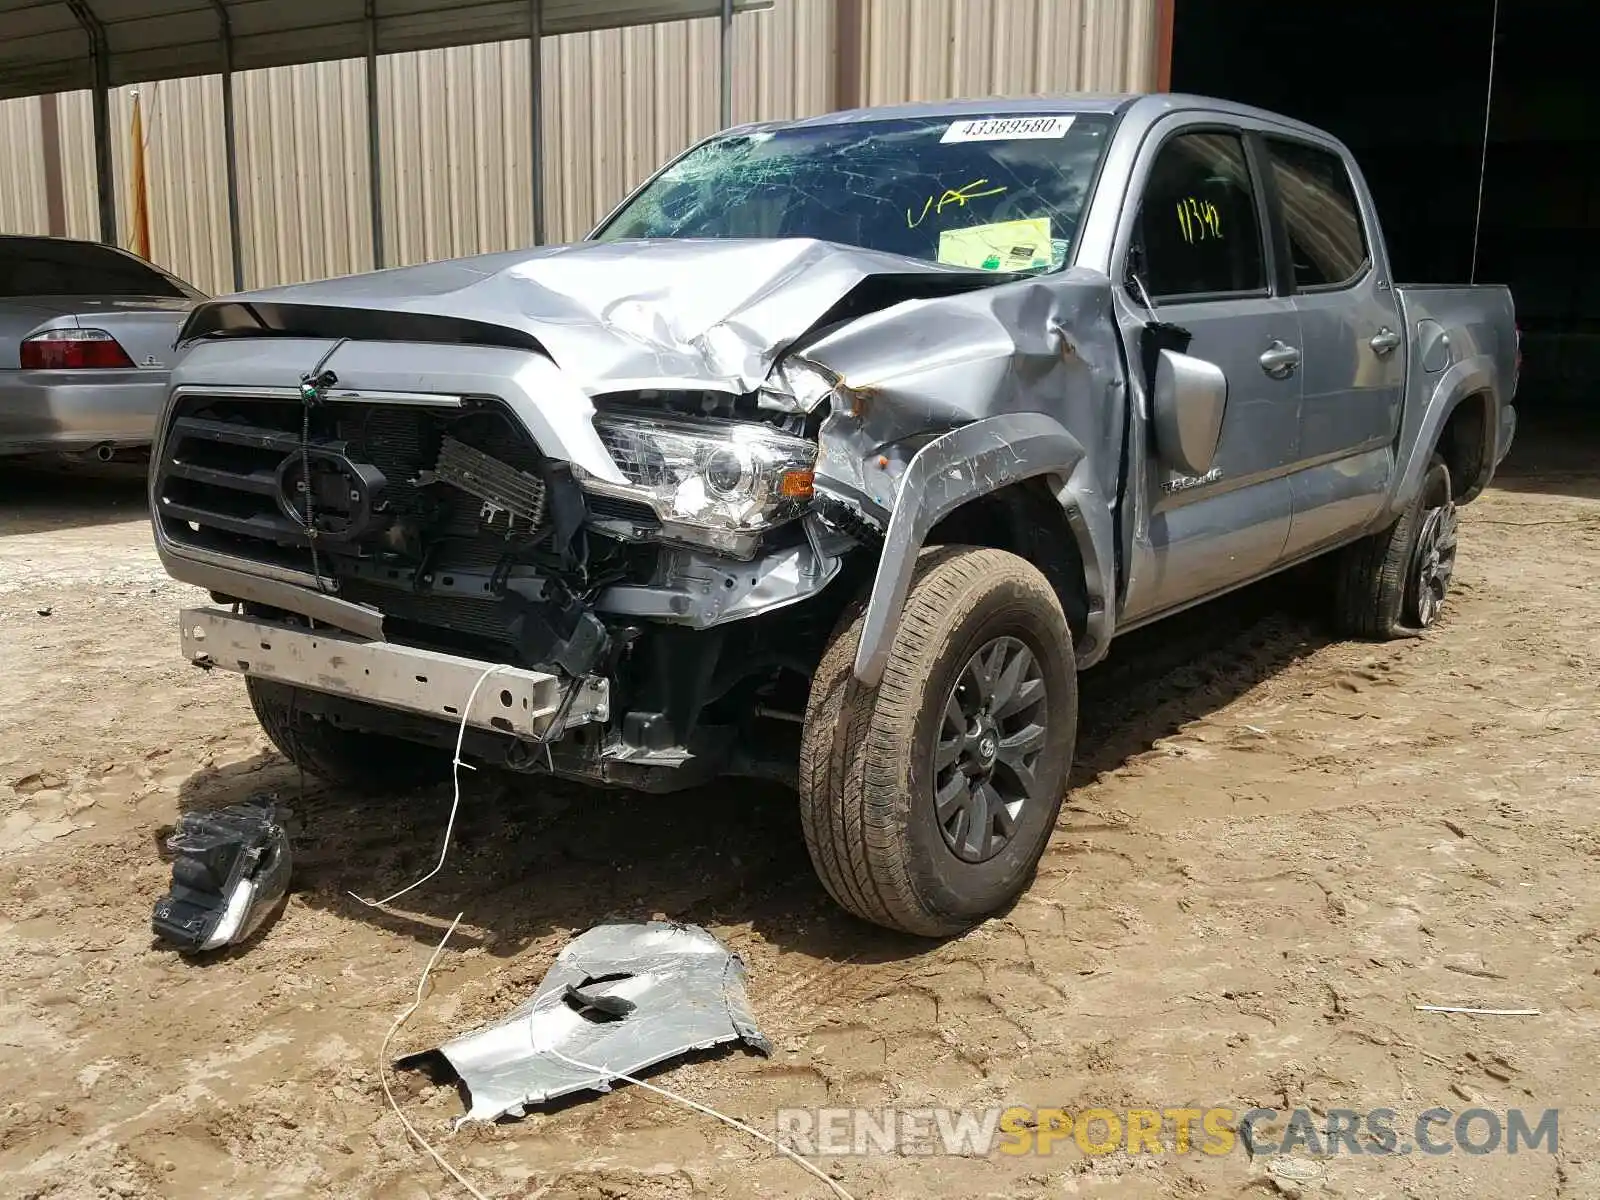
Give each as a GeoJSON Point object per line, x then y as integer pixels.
{"type": "Point", "coordinates": [230, 872]}
{"type": "Point", "coordinates": [618, 999]}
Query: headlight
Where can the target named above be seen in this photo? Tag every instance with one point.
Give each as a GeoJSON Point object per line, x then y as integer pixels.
{"type": "Point", "coordinates": [719, 483]}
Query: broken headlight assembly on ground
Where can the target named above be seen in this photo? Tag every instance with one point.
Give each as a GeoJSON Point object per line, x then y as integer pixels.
{"type": "Point", "coordinates": [713, 483]}
{"type": "Point", "coordinates": [230, 872]}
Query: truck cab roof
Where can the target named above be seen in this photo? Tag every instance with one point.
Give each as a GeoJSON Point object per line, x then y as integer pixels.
{"type": "Point", "coordinates": [1146, 107]}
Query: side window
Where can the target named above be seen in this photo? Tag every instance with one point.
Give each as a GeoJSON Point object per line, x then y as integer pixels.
{"type": "Point", "coordinates": [1326, 241]}
{"type": "Point", "coordinates": [1198, 231]}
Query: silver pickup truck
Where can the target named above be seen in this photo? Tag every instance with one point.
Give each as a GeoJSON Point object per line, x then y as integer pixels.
{"type": "Point", "coordinates": [832, 455]}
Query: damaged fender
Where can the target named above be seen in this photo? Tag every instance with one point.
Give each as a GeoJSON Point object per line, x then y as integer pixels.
{"type": "Point", "coordinates": [943, 400]}
{"type": "Point", "coordinates": [961, 466]}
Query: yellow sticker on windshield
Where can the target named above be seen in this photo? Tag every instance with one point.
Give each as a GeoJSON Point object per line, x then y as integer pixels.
{"type": "Point", "coordinates": [1003, 246]}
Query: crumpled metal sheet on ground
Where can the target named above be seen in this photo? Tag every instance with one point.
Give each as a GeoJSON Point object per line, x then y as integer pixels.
{"type": "Point", "coordinates": [686, 992]}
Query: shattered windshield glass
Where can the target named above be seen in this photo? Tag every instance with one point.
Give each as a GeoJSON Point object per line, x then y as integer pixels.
{"type": "Point", "coordinates": [997, 194]}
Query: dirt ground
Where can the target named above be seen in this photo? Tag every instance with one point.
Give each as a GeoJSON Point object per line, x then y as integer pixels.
{"type": "Point", "coordinates": [1277, 846]}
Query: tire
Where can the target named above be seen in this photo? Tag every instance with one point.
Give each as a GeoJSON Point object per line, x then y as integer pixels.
{"type": "Point", "coordinates": [868, 767]}
{"type": "Point", "coordinates": [352, 758]}
{"type": "Point", "coordinates": [1393, 583]}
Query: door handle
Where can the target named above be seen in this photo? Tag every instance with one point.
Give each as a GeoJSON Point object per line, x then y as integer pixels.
{"type": "Point", "coordinates": [1280, 359]}
{"type": "Point", "coordinates": [1385, 341]}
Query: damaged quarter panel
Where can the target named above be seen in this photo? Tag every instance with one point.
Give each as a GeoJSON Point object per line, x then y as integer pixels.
{"type": "Point", "coordinates": [947, 400]}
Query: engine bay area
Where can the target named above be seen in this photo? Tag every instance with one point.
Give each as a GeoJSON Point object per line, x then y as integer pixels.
{"type": "Point", "coordinates": [448, 520]}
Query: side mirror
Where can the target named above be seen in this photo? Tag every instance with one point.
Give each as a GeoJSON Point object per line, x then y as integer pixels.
{"type": "Point", "coordinates": [1191, 396]}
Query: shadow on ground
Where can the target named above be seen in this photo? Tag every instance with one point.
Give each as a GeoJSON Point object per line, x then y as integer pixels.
{"type": "Point", "coordinates": [532, 855]}
{"type": "Point", "coordinates": [38, 497]}
{"type": "Point", "coordinates": [1556, 452]}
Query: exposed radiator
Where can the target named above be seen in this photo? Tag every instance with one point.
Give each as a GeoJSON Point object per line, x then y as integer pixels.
{"type": "Point", "coordinates": [508, 495]}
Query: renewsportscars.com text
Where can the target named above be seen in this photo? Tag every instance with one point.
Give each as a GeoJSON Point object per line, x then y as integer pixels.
{"type": "Point", "coordinates": [1018, 1130]}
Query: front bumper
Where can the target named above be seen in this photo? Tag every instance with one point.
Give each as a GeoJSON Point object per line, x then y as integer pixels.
{"type": "Point", "coordinates": [511, 700]}
{"type": "Point", "coordinates": [44, 411]}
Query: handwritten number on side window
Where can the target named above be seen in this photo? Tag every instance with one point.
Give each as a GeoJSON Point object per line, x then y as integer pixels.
{"type": "Point", "coordinates": [1199, 220]}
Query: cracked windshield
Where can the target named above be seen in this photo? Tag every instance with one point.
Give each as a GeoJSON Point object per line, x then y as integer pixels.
{"type": "Point", "coordinates": [994, 194]}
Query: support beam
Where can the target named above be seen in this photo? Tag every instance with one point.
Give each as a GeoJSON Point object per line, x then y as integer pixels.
{"type": "Point", "coordinates": [230, 146]}
{"type": "Point", "coordinates": [105, 177]}
{"type": "Point", "coordinates": [536, 116]}
{"type": "Point", "coordinates": [1165, 16]}
{"type": "Point", "coordinates": [55, 192]}
{"type": "Point", "coordinates": [727, 63]}
{"type": "Point", "coordinates": [374, 150]}
{"type": "Point", "coordinates": [849, 39]}
{"type": "Point", "coordinates": [105, 173]}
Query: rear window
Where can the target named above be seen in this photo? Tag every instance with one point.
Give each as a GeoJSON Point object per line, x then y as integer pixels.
{"type": "Point", "coordinates": [39, 267]}
{"type": "Point", "coordinates": [1326, 242]}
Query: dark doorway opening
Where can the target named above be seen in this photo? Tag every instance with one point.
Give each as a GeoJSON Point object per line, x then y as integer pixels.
{"type": "Point", "coordinates": [1405, 86]}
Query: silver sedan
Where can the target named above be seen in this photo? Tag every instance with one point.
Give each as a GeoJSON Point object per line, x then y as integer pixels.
{"type": "Point", "coordinates": [86, 342]}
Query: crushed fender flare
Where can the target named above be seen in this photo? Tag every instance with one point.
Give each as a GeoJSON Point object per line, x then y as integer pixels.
{"type": "Point", "coordinates": [961, 466]}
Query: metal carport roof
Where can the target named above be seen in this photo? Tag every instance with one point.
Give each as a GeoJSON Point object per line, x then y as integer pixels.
{"type": "Point", "coordinates": [67, 45]}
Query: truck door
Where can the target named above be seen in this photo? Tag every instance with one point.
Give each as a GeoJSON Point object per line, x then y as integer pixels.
{"type": "Point", "coordinates": [1199, 247]}
{"type": "Point", "coordinates": [1353, 369]}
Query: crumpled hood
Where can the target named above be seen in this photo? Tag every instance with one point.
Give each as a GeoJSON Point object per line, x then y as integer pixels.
{"type": "Point", "coordinates": [614, 316]}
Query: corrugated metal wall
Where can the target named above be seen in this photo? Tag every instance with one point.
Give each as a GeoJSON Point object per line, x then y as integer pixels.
{"type": "Point", "coordinates": [455, 126]}
{"type": "Point", "coordinates": [931, 49]}
{"type": "Point", "coordinates": [22, 198]}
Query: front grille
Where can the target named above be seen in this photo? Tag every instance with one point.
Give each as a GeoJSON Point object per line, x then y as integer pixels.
{"type": "Point", "coordinates": [228, 462]}
{"type": "Point", "coordinates": [438, 518]}
{"type": "Point", "coordinates": [218, 480]}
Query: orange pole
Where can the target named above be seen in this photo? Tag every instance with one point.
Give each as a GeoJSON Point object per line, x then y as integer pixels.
{"type": "Point", "coordinates": [140, 222]}
{"type": "Point", "coordinates": [1165, 11]}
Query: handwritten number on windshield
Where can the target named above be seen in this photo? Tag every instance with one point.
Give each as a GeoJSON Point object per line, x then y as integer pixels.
{"type": "Point", "coordinates": [958, 195]}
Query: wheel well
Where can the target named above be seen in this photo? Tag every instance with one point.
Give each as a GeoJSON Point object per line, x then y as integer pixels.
{"type": "Point", "coordinates": [1463, 446]}
{"type": "Point", "coordinates": [1026, 520]}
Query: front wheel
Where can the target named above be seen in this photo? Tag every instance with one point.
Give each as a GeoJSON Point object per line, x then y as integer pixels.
{"type": "Point", "coordinates": [928, 800]}
{"type": "Point", "coordinates": [352, 758]}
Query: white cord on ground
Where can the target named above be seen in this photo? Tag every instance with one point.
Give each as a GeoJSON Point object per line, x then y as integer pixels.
{"type": "Point", "coordinates": [416, 1003]}
{"type": "Point", "coordinates": [455, 777]}
{"type": "Point", "coordinates": [383, 1064]}
{"type": "Point", "coordinates": [710, 1112]}
{"type": "Point", "coordinates": [383, 1068]}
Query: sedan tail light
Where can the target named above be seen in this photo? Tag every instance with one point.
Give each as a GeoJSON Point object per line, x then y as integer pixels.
{"type": "Point", "coordinates": [73, 350]}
